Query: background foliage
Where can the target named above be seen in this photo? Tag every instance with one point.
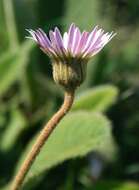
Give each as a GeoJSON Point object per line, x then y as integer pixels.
{"type": "Point", "coordinates": [96, 145]}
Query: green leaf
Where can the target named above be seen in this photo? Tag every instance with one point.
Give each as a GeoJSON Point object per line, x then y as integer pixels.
{"type": "Point", "coordinates": [78, 134]}
{"type": "Point", "coordinates": [11, 66]}
{"type": "Point", "coordinates": [87, 18]}
{"type": "Point", "coordinates": [114, 185]}
{"type": "Point", "coordinates": [10, 23]}
{"type": "Point", "coordinates": [14, 127]}
{"type": "Point", "coordinates": [96, 99]}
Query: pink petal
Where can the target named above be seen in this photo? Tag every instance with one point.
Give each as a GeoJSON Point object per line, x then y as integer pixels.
{"type": "Point", "coordinates": [43, 41]}
{"type": "Point", "coordinates": [55, 44]}
{"type": "Point", "coordinates": [52, 38]}
{"type": "Point", "coordinates": [59, 41]}
{"type": "Point", "coordinates": [53, 41]}
{"type": "Point", "coordinates": [40, 40]}
{"type": "Point", "coordinates": [48, 46]}
{"type": "Point", "coordinates": [104, 40]}
{"type": "Point", "coordinates": [45, 38]}
{"type": "Point", "coordinates": [76, 40]}
{"type": "Point", "coordinates": [71, 34]}
{"type": "Point", "coordinates": [90, 39]}
{"type": "Point", "coordinates": [96, 42]}
{"type": "Point", "coordinates": [73, 42]}
{"type": "Point", "coordinates": [81, 43]}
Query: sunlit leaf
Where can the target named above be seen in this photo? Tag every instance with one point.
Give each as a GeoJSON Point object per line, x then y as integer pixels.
{"type": "Point", "coordinates": [96, 99]}
{"type": "Point", "coordinates": [77, 134]}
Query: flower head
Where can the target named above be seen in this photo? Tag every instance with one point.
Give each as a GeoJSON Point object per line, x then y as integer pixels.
{"type": "Point", "coordinates": [70, 52]}
{"type": "Point", "coordinates": [73, 43]}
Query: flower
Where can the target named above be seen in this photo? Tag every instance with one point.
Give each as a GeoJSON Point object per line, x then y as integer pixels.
{"type": "Point", "coordinates": [73, 44]}
{"type": "Point", "coordinates": [70, 53]}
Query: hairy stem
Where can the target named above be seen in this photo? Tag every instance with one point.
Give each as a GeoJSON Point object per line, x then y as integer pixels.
{"type": "Point", "coordinates": [42, 138]}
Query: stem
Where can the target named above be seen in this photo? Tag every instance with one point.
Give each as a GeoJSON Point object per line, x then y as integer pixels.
{"type": "Point", "coordinates": [42, 138]}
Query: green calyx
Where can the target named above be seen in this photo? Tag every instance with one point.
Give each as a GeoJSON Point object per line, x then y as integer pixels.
{"type": "Point", "coordinates": [70, 74]}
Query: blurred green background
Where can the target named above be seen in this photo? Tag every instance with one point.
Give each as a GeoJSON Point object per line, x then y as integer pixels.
{"type": "Point", "coordinates": [96, 145]}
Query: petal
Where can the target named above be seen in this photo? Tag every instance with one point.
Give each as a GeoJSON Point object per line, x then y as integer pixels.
{"type": "Point", "coordinates": [96, 42]}
{"type": "Point", "coordinates": [58, 37]}
{"type": "Point", "coordinates": [45, 38]}
{"type": "Point", "coordinates": [40, 39]}
{"type": "Point", "coordinates": [32, 33]}
{"type": "Point", "coordinates": [59, 41]}
{"type": "Point", "coordinates": [76, 40]}
{"type": "Point", "coordinates": [70, 36]}
{"type": "Point", "coordinates": [104, 40]}
{"type": "Point", "coordinates": [90, 38]}
{"type": "Point", "coordinates": [107, 37]}
{"type": "Point", "coordinates": [65, 40]}
{"type": "Point", "coordinates": [81, 43]}
{"type": "Point", "coordinates": [44, 41]}
{"type": "Point", "coordinates": [52, 39]}
{"type": "Point", "coordinates": [55, 45]}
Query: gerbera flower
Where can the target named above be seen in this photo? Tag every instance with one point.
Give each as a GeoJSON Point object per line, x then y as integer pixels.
{"type": "Point", "coordinates": [73, 49]}
{"type": "Point", "coordinates": [73, 43]}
